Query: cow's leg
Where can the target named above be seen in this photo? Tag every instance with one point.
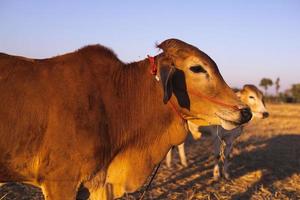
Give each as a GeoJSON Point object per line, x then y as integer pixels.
{"type": "Point", "coordinates": [169, 158]}
{"type": "Point", "coordinates": [97, 187]}
{"type": "Point", "coordinates": [217, 147]}
{"type": "Point", "coordinates": [182, 154]}
{"type": "Point", "coordinates": [216, 171]}
{"type": "Point", "coordinates": [59, 190]}
{"type": "Point", "coordinates": [105, 192]}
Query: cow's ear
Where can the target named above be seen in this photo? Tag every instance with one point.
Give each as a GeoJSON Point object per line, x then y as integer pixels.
{"type": "Point", "coordinates": [238, 94]}
{"type": "Point", "coordinates": [166, 73]}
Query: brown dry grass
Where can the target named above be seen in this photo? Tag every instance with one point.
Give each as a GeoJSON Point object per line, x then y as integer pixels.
{"type": "Point", "coordinates": [265, 165]}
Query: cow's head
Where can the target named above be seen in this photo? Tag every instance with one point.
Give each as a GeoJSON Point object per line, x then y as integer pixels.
{"type": "Point", "coordinates": [254, 98]}
{"type": "Point", "coordinates": [191, 79]}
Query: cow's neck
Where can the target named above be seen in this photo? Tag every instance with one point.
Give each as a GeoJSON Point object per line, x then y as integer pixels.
{"type": "Point", "coordinates": [141, 127]}
{"type": "Point", "coordinates": [139, 110]}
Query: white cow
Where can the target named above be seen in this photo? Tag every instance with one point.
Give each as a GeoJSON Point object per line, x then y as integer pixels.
{"type": "Point", "coordinates": [223, 139]}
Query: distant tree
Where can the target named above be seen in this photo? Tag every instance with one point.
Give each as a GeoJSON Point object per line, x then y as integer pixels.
{"type": "Point", "coordinates": [295, 91]}
{"type": "Point", "coordinates": [265, 83]}
{"type": "Point", "coordinates": [277, 85]}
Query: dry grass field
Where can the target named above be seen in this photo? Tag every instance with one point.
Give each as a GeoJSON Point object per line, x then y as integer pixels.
{"type": "Point", "coordinates": [265, 165]}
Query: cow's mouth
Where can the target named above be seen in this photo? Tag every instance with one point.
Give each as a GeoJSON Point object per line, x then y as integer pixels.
{"type": "Point", "coordinates": [228, 124]}
{"type": "Point", "coordinates": [260, 115]}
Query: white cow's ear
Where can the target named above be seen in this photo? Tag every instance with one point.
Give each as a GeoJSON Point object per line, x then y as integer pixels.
{"type": "Point", "coordinates": [238, 94]}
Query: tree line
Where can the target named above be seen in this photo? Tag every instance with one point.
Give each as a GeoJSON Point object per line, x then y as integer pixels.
{"type": "Point", "coordinates": [291, 95]}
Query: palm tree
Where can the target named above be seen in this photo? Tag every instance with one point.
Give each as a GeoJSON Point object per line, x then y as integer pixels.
{"type": "Point", "coordinates": [265, 83]}
{"type": "Point", "coordinates": [277, 85]}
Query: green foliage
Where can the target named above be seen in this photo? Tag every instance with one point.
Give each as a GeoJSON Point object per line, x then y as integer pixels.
{"type": "Point", "coordinates": [285, 97]}
{"type": "Point", "coordinates": [295, 92]}
{"type": "Point", "coordinates": [265, 83]}
{"type": "Point", "coordinates": [291, 95]}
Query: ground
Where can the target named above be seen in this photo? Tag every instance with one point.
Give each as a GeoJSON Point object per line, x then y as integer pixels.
{"type": "Point", "coordinates": [265, 165]}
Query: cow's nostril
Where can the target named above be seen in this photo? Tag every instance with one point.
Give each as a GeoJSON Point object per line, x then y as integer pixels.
{"type": "Point", "coordinates": [265, 114]}
{"type": "Point", "coordinates": [246, 115]}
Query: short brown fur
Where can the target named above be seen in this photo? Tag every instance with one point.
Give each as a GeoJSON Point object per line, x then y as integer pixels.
{"type": "Point", "coordinates": [66, 120]}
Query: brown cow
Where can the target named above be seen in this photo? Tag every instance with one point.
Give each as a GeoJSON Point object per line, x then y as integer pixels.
{"type": "Point", "coordinates": [86, 117]}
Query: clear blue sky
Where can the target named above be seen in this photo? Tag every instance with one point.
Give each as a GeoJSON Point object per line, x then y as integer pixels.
{"type": "Point", "coordinates": [248, 39]}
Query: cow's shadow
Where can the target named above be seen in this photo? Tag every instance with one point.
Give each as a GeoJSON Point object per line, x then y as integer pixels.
{"type": "Point", "coordinates": [277, 158]}
{"type": "Point", "coordinates": [200, 163]}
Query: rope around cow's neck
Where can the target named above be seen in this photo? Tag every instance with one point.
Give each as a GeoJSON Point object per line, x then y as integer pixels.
{"type": "Point", "coordinates": [222, 147]}
{"type": "Point", "coordinates": [153, 71]}
{"type": "Point", "coordinates": [149, 184]}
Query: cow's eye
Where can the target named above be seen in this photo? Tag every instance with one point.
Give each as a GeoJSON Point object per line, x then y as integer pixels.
{"type": "Point", "coordinates": [251, 97]}
{"type": "Point", "coordinates": [198, 69]}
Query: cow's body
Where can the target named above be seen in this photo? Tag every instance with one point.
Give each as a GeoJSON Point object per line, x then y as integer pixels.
{"type": "Point", "coordinates": [224, 139]}
{"type": "Point", "coordinates": [88, 118]}
{"type": "Point", "coordinates": [52, 113]}
{"type": "Point", "coordinates": [68, 107]}
{"type": "Point", "coordinates": [223, 143]}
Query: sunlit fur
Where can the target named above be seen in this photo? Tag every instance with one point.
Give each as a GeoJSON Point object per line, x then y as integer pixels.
{"type": "Point", "coordinates": [211, 84]}
{"type": "Point", "coordinates": [88, 118]}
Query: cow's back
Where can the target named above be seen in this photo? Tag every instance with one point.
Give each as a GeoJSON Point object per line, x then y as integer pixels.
{"type": "Point", "coordinates": [49, 110]}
